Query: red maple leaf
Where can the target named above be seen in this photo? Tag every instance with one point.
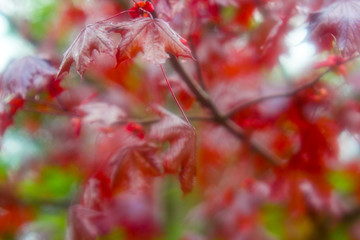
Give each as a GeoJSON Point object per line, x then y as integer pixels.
{"type": "Point", "coordinates": [135, 213]}
{"type": "Point", "coordinates": [154, 37]}
{"type": "Point", "coordinates": [25, 74]}
{"type": "Point", "coordinates": [180, 157]}
{"type": "Point", "coordinates": [84, 223]}
{"type": "Point", "coordinates": [341, 21]}
{"type": "Point", "coordinates": [101, 114]}
{"type": "Point", "coordinates": [130, 160]}
{"type": "Point", "coordinates": [94, 37]}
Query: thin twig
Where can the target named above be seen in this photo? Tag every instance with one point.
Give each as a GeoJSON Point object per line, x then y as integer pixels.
{"type": "Point", "coordinates": [50, 112]}
{"type": "Point", "coordinates": [153, 120]}
{"type": "Point", "coordinates": [280, 95]}
{"type": "Point", "coordinates": [197, 65]}
{"type": "Point", "coordinates": [42, 103]}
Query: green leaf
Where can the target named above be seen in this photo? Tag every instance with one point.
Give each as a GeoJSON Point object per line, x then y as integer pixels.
{"type": "Point", "coordinates": [55, 222]}
{"type": "Point", "coordinates": [273, 218]}
{"type": "Point", "coordinates": [342, 181]}
{"type": "Point", "coordinates": [339, 233]}
{"type": "Point", "coordinates": [52, 184]}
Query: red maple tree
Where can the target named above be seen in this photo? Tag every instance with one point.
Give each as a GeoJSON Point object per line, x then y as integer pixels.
{"type": "Point", "coordinates": [194, 91]}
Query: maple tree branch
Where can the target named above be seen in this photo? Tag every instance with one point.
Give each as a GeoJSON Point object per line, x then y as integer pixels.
{"type": "Point", "coordinates": [285, 94]}
{"type": "Point", "coordinates": [41, 103]}
{"type": "Point", "coordinates": [46, 111]}
{"type": "Point", "coordinates": [153, 120]}
{"type": "Point", "coordinates": [197, 65]}
{"type": "Point", "coordinates": [279, 95]}
{"type": "Point", "coordinates": [256, 147]}
{"type": "Point", "coordinates": [199, 93]}
{"type": "Point", "coordinates": [219, 118]}
{"type": "Point", "coordinates": [44, 107]}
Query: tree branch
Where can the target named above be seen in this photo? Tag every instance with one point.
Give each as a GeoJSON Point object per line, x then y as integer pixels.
{"type": "Point", "coordinates": [199, 93]}
{"type": "Point", "coordinates": [219, 118]}
{"type": "Point", "coordinates": [153, 120]}
{"type": "Point", "coordinates": [197, 65]}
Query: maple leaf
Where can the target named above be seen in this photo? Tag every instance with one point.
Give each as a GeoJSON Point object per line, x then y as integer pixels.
{"type": "Point", "coordinates": [85, 223]}
{"type": "Point", "coordinates": [130, 159]}
{"type": "Point", "coordinates": [5, 119]}
{"type": "Point", "coordinates": [101, 114]}
{"type": "Point", "coordinates": [180, 157]}
{"type": "Point", "coordinates": [8, 111]}
{"type": "Point", "coordinates": [25, 74]}
{"type": "Point", "coordinates": [94, 37]}
{"type": "Point", "coordinates": [341, 21]}
{"type": "Point", "coordinates": [154, 37]}
{"type": "Point", "coordinates": [224, 2]}
{"type": "Point", "coordinates": [135, 213]}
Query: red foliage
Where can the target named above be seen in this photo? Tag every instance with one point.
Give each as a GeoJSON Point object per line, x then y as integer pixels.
{"type": "Point", "coordinates": [256, 137]}
{"type": "Point", "coordinates": [7, 112]}
{"type": "Point", "coordinates": [94, 37]}
{"type": "Point", "coordinates": [26, 74]}
{"type": "Point", "coordinates": [141, 9]}
{"type": "Point", "coordinates": [339, 23]}
{"type": "Point", "coordinates": [154, 37]}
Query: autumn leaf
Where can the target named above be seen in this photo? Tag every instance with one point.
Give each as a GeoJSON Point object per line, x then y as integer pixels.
{"type": "Point", "coordinates": [84, 223]}
{"type": "Point", "coordinates": [180, 157]}
{"type": "Point", "coordinates": [130, 160]}
{"type": "Point", "coordinates": [340, 20]}
{"type": "Point", "coordinates": [225, 2]}
{"type": "Point", "coordinates": [93, 37]}
{"type": "Point", "coordinates": [135, 213]}
{"type": "Point", "coordinates": [153, 37]}
{"type": "Point", "coordinates": [5, 119]}
{"type": "Point", "coordinates": [25, 74]}
{"type": "Point", "coordinates": [8, 111]}
{"type": "Point", "coordinates": [101, 114]}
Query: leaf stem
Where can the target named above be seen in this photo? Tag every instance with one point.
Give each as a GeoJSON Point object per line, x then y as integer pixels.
{"type": "Point", "coordinates": [172, 93]}
{"type": "Point", "coordinates": [116, 15]}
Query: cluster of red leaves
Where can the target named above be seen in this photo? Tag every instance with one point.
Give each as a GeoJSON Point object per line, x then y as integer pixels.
{"type": "Point", "coordinates": [154, 37]}
{"type": "Point", "coordinates": [120, 191]}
